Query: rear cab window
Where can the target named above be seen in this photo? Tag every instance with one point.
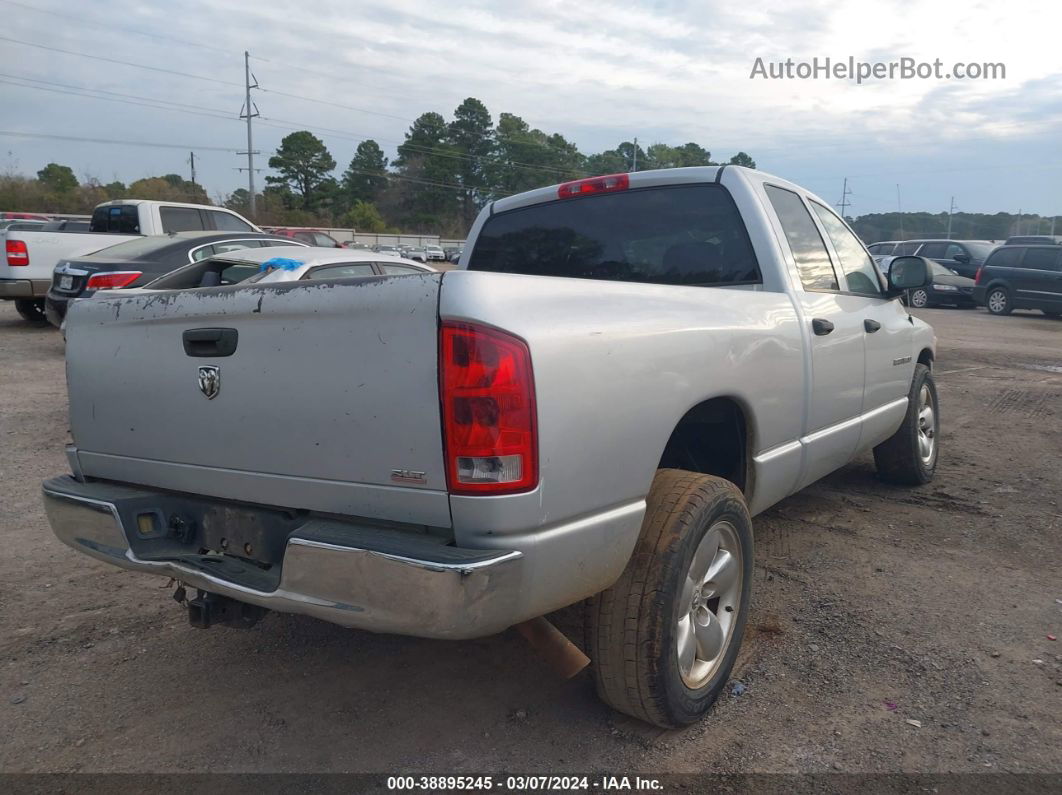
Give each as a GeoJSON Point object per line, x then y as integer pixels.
{"type": "Point", "coordinates": [122, 219]}
{"type": "Point", "coordinates": [680, 235]}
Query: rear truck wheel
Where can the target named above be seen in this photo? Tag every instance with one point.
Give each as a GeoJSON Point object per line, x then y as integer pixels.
{"type": "Point", "coordinates": [919, 298]}
{"type": "Point", "coordinates": [910, 455]}
{"type": "Point", "coordinates": [31, 309]}
{"type": "Point", "coordinates": [663, 639]}
{"type": "Point", "coordinates": [998, 301]}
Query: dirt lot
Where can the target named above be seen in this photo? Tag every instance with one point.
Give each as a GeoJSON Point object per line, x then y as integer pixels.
{"type": "Point", "coordinates": [937, 600]}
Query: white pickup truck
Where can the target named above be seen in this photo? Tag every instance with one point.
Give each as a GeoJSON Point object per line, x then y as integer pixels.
{"type": "Point", "coordinates": [31, 255]}
{"type": "Point", "coordinates": [622, 372]}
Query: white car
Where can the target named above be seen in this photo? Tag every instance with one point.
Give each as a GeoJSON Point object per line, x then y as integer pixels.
{"type": "Point", "coordinates": [278, 265]}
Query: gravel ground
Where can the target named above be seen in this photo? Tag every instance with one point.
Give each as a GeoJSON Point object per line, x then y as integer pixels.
{"type": "Point", "coordinates": [874, 607]}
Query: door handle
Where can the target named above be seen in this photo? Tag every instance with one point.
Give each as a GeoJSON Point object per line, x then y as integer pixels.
{"type": "Point", "coordinates": [210, 342]}
{"type": "Point", "coordinates": [821, 327]}
{"type": "Point", "coordinates": [871, 325]}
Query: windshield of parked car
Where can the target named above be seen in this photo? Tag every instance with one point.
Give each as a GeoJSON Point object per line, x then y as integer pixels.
{"type": "Point", "coordinates": [941, 270]}
{"type": "Point", "coordinates": [684, 234]}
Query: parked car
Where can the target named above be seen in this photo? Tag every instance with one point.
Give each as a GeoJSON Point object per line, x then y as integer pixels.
{"type": "Point", "coordinates": [1025, 240]}
{"type": "Point", "coordinates": [884, 247]}
{"type": "Point", "coordinates": [415, 254]}
{"type": "Point", "coordinates": [962, 256]}
{"type": "Point", "coordinates": [292, 263]}
{"type": "Point", "coordinates": [139, 261]}
{"type": "Point", "coordinates": [947, 287]}
{"type": "Point", "coordinates": [386, 249]}
{"type": "Point", "coordinates": [628, 368]}
{"type": "Point", "coordinates": [435, 253]}
{"type": "Point", "coordinates": [311, 237]}
{"type": "Point", "coordinates": [32, 255]}
{"type": "Point", "coordinates": [318, 265]}
{"type": "Point", "coordinates": [8, 216]}
{"type": "Point", "coordinates": [1021, 277]}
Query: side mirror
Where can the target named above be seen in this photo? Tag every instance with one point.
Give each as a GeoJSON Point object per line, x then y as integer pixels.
{"type": "Point", "coordinates": [908, 273]}
{"type": "Point", "coordinates": [964, 258]}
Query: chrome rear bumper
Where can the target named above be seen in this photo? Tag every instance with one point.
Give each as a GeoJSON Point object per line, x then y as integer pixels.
{"type": "Point", "coordinates": [436, 591]}
{"type": "Point", "coordinates": [24, 288]}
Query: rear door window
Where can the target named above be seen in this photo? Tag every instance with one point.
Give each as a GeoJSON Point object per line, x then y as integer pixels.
{"type": "Point", "coordinates": [324, 240]}
{"type": "Point", "coordinates": [181, 219]}
{"type": "Point", "coordinates": [683, 235]}
{"type": "Point", "coordinates": [906, 249]}
{"type": "Point", "coordinates": [933, 250]}
{"type": "Point", "coordinates": [809, 250]}
{"type": "Point", "coordinates": [227, 222]}
{"type": "Point", "coordinates": [1005, 257]}
{"type": "Point", "coordinates": [1043, 259]}
{"type": "Point", "coordinates": [387, 267]}
{"type": "Point", "coordinates": [341, 271]}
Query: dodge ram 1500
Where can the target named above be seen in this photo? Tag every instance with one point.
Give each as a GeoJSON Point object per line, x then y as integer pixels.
{"type": "Point", "coordinates": [622, 371]}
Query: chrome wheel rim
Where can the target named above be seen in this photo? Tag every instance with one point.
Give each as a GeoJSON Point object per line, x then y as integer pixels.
{"type": "Point", "coordinates": [919, 298]}
{"type": "Point", "coordinates": [927, 426]}
{"type": "Point", "coordinates": [709, 604]}
{"type": "Point", "coordinates": [997, 301]}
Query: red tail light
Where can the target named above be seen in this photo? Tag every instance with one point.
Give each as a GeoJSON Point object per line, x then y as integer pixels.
{"type": "Point", "coordinates": [17, 253]}
{"type": "Point", "coordinates": [977, 276]}
{"type": "Point", "coordinates": [111, 281]}
{"type": "Point", "coordinates": [487, 392]}
{"type": "Point", "coordinates": [584, 187]}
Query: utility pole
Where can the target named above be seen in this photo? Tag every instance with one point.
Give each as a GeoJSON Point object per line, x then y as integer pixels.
{"type": "Point", "coordinates": [899, 209]}
{"type": "Point", "coordinates": [635, 166]}
{"type": "Point", "coordinates": [1053, 219]}
{"type": "Point", "coordinates": [845, 193]}
{"type": "Point", "coordinates": [951, 211]}
{"type": "Point", "coordinates": [249, 111]}
{"type": "Point", "coordinates": [1019, 221]}
{"type": "Point", "coordinates": [191, 159]}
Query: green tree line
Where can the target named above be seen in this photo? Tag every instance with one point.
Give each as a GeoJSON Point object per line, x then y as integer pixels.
{"type": "Point", "coordinates": [444, 171]}
{"type": "Point", "coordinates": [964, 226]}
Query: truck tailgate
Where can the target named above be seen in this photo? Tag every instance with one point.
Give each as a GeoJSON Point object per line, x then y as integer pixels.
{"type": "Point", "coordinates": [329, 401]}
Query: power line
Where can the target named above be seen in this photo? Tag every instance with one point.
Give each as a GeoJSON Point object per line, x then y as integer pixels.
{"type": "Point", "coordinates": [112, 99]}
{"type": "Point", "coordinates": [277, 92]}
{"type": "Point", "coordinates": [84, 139]}
{"type": "Point", "coordinates": [120, 62]}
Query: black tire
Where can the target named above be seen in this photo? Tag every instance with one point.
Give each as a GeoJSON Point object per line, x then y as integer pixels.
{"type": "Point", "coordinates": [920, 298]}
{"type": "Point", "coordinates": [1003, 303]}
{"type": "Point", "coordinates": [31, 309]}
{"type": "Point", "coordinates": [1053, 313]}
{"type": "Point", "coordinates": [632, 626]}
{"type": "Point", "coordinates": [898, 458]}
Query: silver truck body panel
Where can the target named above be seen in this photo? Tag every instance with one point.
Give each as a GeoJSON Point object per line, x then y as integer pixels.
{"type": "Point", "coordinates": [334, 385]}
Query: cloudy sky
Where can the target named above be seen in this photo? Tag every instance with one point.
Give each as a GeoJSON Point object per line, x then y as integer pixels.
{"type": "Point", "coordinates": [666, 71]}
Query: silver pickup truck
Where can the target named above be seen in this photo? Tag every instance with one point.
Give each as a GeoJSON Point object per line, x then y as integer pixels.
{"type": "Point", "coordinates": [621, 373]}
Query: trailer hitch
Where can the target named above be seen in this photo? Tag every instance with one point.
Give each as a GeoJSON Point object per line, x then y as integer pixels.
{"type": "Point", "coordinates": [208, 609]}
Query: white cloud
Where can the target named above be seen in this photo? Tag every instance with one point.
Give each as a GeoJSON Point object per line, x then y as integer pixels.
{"type": "Point", "coordinates": [598, 72]}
